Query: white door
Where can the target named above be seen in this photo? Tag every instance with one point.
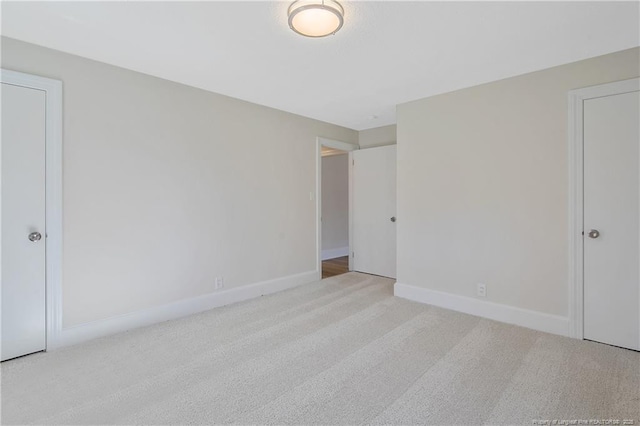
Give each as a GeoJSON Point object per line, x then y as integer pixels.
{"type": "Point", "coordinates": [374, 211]}
{"type": "Point", "coordinates": [23, 221]}
{"type": "Point", "coordinates": [612, 220]}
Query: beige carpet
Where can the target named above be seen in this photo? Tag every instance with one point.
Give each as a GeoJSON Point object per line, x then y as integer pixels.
{"type": "Point", "coordinates": [340, 351]}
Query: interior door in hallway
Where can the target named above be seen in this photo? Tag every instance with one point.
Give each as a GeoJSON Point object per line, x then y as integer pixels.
{"type": "Point", "coordinates": [23, 221]}
{"type": "Point", "coordinates": [374, 211]}
{"type": "Point", "coordinates": [612, 220]}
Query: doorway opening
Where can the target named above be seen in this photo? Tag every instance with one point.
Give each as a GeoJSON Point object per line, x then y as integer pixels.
{"type": "Point", "coordinates": [334, 211]}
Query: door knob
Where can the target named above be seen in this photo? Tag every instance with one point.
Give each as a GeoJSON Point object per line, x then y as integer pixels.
{"type": "Point", "coordinates": [594, 233]}
{"type": "Point", "coordinates": [35, 236]}
{"type": "Point", "coordinates": [393, 219]}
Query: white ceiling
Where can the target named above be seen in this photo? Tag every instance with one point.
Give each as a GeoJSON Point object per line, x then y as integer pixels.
{"type": "Point", "coordinates": [387, 52]}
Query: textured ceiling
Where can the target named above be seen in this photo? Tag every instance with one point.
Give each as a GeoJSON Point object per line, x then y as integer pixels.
{"type": "Point", "coordinates": [387, 52]}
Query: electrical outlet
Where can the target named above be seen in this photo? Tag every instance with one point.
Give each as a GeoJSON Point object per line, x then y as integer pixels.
{"type": "Point", "coordinates": [219, 283]}
{"type": "Point", "coordinates": [482, 290]}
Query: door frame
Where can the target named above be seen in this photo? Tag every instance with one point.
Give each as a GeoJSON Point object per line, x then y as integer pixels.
{"type": "Point", "coordinates": [576, 193]}
{"type": "Point", "coordinates": [349, 148]}
{"type": "Point", "coordinates": [53, 195]}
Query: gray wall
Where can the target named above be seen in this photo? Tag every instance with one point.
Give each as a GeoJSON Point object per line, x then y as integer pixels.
{"type": "Point", "coordinates": [483, 185]}
{"type": "Point", "coordinates": [335, 202]}
{"type": "Point", "coordinates": [385, 135]}
{"type": "Point", "coordinates": [167, 186]}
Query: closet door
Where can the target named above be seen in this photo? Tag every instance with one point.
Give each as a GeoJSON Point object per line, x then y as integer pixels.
{"type": "Point", "coordinates": [23, 221]}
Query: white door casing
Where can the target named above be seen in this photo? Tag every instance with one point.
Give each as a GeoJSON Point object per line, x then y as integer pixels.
{"type": "Point", "coordinates": [604, 195]}
{"type": "Point", "coordinates": [51, 241]}
{"type": "Point", "coordinates": [374, 211]}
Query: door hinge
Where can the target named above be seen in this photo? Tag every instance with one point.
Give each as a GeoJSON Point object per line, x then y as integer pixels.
{"type": "Point", "coordinates": [353, 162]}
{"type": "Point", "coordinates": [353, 254]}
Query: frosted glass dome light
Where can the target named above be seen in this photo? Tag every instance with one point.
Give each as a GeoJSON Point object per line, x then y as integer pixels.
{"type": "Point", "coordinates": [316, 18]}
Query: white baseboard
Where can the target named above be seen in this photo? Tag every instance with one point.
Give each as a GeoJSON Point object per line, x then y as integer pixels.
{"type": "Point", "coordinates": [504, 313]}
{"type": "Point", "coordinates": [182, 308]}
{"type": "Point", "coordinates": [333, 253]}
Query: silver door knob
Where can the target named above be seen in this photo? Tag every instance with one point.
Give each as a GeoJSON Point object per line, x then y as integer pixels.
{"type": "Point", "coordinates": [393, 219]}
{"type": "Point", "coordinates": [35, 236]}
{"type": "Point", "coordinates": [594, 233]}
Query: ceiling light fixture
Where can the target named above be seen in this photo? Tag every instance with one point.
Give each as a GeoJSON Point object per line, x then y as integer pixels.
{"type": "Point", "coordinates": [315, 18]}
